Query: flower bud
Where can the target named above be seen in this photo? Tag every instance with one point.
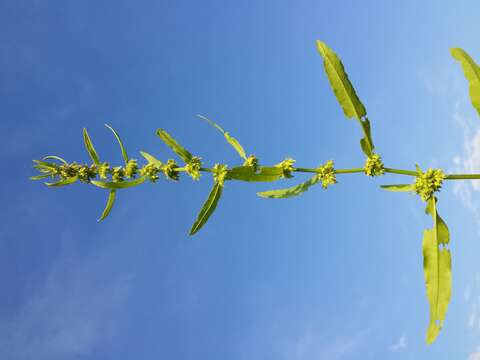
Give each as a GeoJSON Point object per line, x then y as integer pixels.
{"type": "Point", "coordinates": [219, 173]}
{"type": "Point", "coordinates": [374, 165]}
{"type": "Point", "coordinates": [287, 167]}
{"type": "Point", "coordinates": [251, 161]}
{"type": "Point", "coordinates": [429, 182]}
{"type": "Point", "coordinates": [131, 168]}
{"type": "Point", "coordinates": [169, 169]}
{"type": "Point", "coordinates": [327, 174]}
{"type": "Point", "coordinates": [193, 168]}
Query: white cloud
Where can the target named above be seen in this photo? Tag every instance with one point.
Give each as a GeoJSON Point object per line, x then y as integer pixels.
{"type": "Point", "coordinates": [469, 161]}
{"type": "Point", "coordinates": [468, 293]}
{"type": "Point", "coordinates": [314, 346]}
{"type": "Point", "coordinates": [400, 345]}
{"type": "Point", "coordinates": [73, 312]}
{"type": "Point", "coordinates": [474, 356]}
{"type": "Point", "coordinates": [473, 317]}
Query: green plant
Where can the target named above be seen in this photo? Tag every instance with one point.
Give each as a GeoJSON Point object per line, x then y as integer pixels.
{"type": "Point", "coordinates": [437, 259]}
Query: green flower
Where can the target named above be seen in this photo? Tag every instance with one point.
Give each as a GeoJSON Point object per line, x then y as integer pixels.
{"type": "Point", "coordinates": [193, 168]}
{"type": "Point", "coordinates": [117, 174]}
{"type": "Point", "coordinates": [169, 169]}
{"type": "Point", "coordinates": [86, 173]}
{"type": "Point", "coordinates": [151, 171]}
{"type": "Point", "coordinates": [131, 168]}
{"type": "Point", "coordinates": [429, 182]}
{"type": "Point", "coordinates": [219, 173]}
{"type": "Point", "coordinates": [327, 174]}
{"type": "Point", "coordinates": [287, 167]}
{"type": "Point", "coordinates": [68, 171]}
{"type": "Point", "coordinates": [374, 165]}
{"type": "Point", "coordinates": [103, 170]}
{"type": "Point", "coordinates": [251, 161]}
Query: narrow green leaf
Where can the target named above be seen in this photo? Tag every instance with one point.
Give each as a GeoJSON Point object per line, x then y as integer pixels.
{"type": "Point", "coordinates": [39, 177]}
{"type": "Point", "coordinates": [291, 191]}
{"type": "Point", "coordinates": [345, 94]}
{"type": "Point", "coordinates": [400, 187]}
{"type": "Point", "coordinates": [231, 140]}
{"type": "Point", "coordinates": [215, 125]}
{"type": "Point", "coordinates": [437, 269]}
{"type": "Point", "coordinates": [174, 145]}
{"type": "Point", "coordinates": [150, 158]}
{"type": "Point", "coordinates": [124, 152]}
{"type": "Point", "coordinates": [246, 173]}
{"type": "Point", "coordinates": [56, 158]}
{"type": "Point", "coordinates": [108, 207]}
{"type": "Point", "coordinates": [340, 83]}
{"type": "Point", "coordinates": [119, 185]}
{"type": "Point", "coordinates": [207, 208]}
{"type": "Point", "coordinates": [472, 74]}
{"type": "Point", "coordinates": [89, 146]}
{"type": "Point", "coordinates": [366, 142]}
{"type": "Point", "coordinates": [44, 164]}
{"type": "Point", "coordinates": [63, 182]}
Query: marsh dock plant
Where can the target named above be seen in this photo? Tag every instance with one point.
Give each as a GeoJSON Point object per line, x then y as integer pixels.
{"type": "Point", "coordinates": [426, 183]}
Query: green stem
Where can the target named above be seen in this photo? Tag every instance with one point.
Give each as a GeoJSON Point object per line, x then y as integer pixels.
{"type": "Point", "coordinates": [349, 171]}
{"type": "Point", "coordinates": [462, 176]}
{"type": "Point", "coordinates": [401, 172]}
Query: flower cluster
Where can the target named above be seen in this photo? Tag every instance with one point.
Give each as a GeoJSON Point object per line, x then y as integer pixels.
{"type": "Point", "coordinates": [151, 171]}
{"type": "Point", "coordinates": [251, 161]}
{"type": "Point", "coordinates": [104, 170]}
{"type": "Point", "coordinates": [287, 167]}
{"type": "Point", "coordinates": [429, 182]}
{"type": "Point", "coordinates": [118, 173]}
{"type": "Point", "coordinates": [193, 168]}
{"type": "Point", "coordinates": [327, 174]}
{"type": "Point", "coordinates": [66, 171]}
{"type": "Point", "coordinates": [374, 166]}
{"type": "Point", "coordinates": [131, 168]}
{"type": "Point", "coordinates": [219, 173]}
{"type": "Point", "coordinates": [170, 170]}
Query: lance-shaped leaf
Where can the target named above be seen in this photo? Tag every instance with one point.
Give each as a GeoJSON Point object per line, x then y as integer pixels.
{"type": "Point", "coordinates": [437, 269]}
{"type": "Point", "coordinates": [89, 146]}
{"type": "Point", "coordinates": [208, 207]}
{"type": "Point", "coordinates": [174, 145]}
{"type": "Point", "coordinates": [341, 85]}
{"type": "Point", "coordinates": [366, 142]}
{"type": "Point", "coordinates": [56, 158]}
{"type": "Point", "coordinates": [44, 165]}
{"type": "Point", "coordinates": [231, 140]}
{"type": "Point", "coordinates": [150, 158]}
{"type": "Point", "coordinates": [399, 187]}
{"type": "Point", "coordinates": [40, 177]}
{"type": "Point", "coordinates": [108, 207]}
{"type": "Point", "coordinates": [345, 94]}
{"type": "Point", "coordinates": [291, 191]}
{"type": "Point", "coordinates": [63, 182]}
{"type": "Point", "coordinates": [122, 148]}
{"type": "Point", "coordinates": [472, 73]}
{"type": "Point", "coordinates": [247, 173]}
{"type": "Point", "coordinates": [120, 184]}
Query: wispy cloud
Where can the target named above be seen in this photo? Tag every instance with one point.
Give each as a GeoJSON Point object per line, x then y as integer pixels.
{"type": "Point", "coordinates": [474, 356]}
{"type": "Point", "coordinates": [314, 346]}
{"type": "Point", "coordinates": [400, 345]}
{"type": "Point", "coordinates": [76, 309]}
{"type": "Point", "coordinates": [469, 161]}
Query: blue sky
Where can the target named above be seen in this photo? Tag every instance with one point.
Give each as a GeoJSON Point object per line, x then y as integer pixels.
{"type": "Point", "coordinates": [333, 274]}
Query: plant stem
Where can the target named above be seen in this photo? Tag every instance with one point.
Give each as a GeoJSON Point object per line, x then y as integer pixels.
{"type": "Point", "coordinates": [349, 171]}
{"type": "Point", "coordinates": [462, 176]}
{"type": "Point", "coordinates": [361, 170]}
{"type": "Point", "coordinates": [401, 172]}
